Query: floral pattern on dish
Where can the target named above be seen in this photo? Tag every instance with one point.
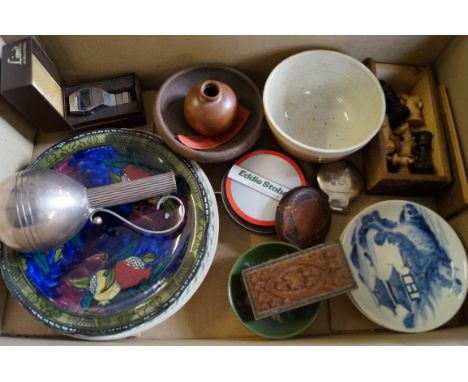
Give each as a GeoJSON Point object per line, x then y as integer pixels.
{"type": "Point", "coordinates": [88, 273]}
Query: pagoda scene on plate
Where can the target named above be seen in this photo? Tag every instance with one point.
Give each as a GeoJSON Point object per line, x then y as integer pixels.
{"type": "Point", "coordinates": [415, 272]}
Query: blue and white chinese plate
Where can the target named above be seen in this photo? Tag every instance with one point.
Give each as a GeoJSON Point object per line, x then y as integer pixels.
{"type": "Point", "coordinates": [409, 264]}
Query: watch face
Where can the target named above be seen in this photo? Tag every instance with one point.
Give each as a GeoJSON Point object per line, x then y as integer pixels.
{"type": "Point", "coordinates": [84, 99]}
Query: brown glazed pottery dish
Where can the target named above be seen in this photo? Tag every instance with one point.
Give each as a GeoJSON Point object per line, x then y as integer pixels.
{"type": "Point", "coordinates": [169, 111]}
{"type": "Point", "coordinates": [303, 217]}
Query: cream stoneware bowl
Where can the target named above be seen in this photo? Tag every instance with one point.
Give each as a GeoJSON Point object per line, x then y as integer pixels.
{"type": "Point", "coordinates": [323, 105]}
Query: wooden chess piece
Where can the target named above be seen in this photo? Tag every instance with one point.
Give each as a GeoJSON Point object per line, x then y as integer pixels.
{"type": "Point", "coordinates": [414, 104]}
{"type": "Point", "coordinates": [423, 149]}
{"type": "Point", "coordinates": [404, 157]}
{"type": "Point", "coordinates": [402, 163]}
{"type": "Point", "coordinates": [396, 111]}
{"type": "Point", "coordinates": [389, 142]}
{"type": "Point", "coordinates": [401, 129]}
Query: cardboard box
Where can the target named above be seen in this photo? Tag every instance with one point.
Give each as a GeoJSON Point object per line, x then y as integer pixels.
{"type": "Point", "coordinates": [29, 77]}
{"type": "Point", "coordinates": [207, 317]}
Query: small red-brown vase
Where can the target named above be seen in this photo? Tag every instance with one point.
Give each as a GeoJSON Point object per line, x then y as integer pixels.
{"type": "Point", "coordinates": [210, 108]}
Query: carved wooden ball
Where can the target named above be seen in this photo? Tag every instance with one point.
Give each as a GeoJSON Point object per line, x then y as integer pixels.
{"type": "Point", "coordinates": [303, 217]}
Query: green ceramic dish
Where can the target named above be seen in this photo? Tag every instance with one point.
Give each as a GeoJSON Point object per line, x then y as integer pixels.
{"type": "Point", "coordinates": [280, 326]}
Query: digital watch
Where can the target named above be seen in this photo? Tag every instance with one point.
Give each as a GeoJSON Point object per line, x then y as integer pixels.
{"type": "Point", "coordinates": [86, 100]}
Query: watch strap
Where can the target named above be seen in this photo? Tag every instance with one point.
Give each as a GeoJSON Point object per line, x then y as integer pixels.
{"type": "Point", "coordinates": [113, 99]}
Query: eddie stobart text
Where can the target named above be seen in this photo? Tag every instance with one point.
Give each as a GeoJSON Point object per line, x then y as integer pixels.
{"type": "Point", "coordinates": [264, 183]}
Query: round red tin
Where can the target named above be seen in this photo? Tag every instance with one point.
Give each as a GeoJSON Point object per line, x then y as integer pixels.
{"type": "Point", "coordinates": [254, 186]}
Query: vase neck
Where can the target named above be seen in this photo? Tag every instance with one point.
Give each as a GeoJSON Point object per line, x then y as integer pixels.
{"type": "Point", "coordinates": [210, 91]}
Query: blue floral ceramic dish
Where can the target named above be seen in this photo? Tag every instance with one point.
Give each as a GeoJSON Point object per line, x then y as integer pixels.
{"type": "Point", "coordinates": [109, 278]}
{"type": "Point", "coordinates": [410, 266]}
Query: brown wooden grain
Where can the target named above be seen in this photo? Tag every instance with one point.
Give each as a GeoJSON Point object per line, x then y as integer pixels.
{"type": "Point", "coordinates": [415, 81]}
{"type": "Point", "coordinates": [454, 198]}
{"type": "Point", "coordinates": [297, 279]}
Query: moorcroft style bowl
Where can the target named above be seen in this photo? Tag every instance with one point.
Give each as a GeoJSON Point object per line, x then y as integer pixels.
{"type": "Point", "coordinates": [111, 281]}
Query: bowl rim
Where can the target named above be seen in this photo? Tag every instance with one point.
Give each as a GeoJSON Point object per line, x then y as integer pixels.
{"type": "Point", "coordinates": [357, 302]}
{"type": "Point", "coordinates": [208, 156]}
{"type": "Point", "coordinates": [175, 302]}
{"type": "Point", "coordinates": [318, 150]}
{"type": "Point", "coordinates": [234, 309]}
